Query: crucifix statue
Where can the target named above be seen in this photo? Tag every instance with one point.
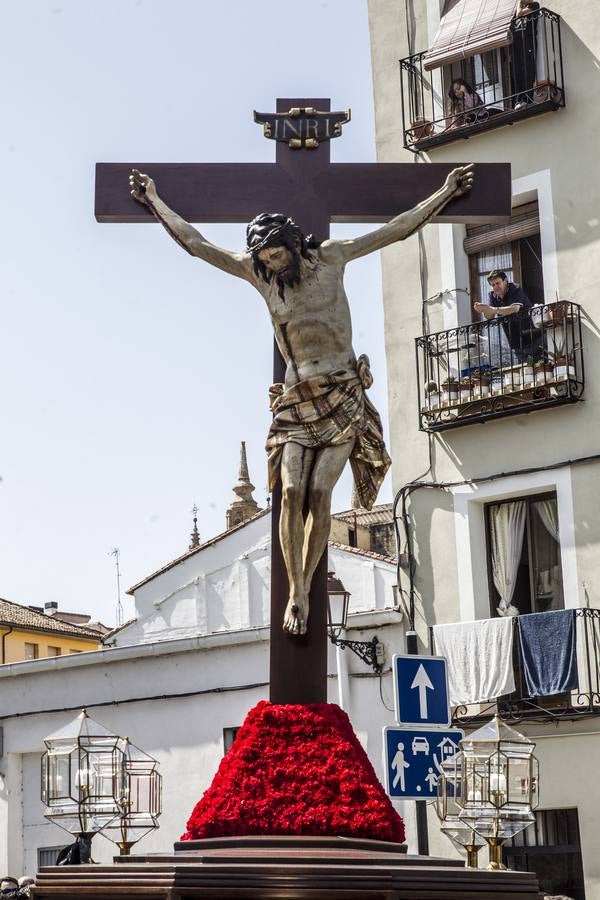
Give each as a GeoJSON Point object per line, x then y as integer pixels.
{"type": "Point", "coordinates": [321, 415]}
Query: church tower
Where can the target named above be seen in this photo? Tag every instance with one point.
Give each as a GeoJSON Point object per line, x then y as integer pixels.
{"type": "Point", "coordinates": [244, 506]}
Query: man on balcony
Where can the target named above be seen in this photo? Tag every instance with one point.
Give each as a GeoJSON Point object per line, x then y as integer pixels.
{"type": "Point", "coordinates": [509, 303]}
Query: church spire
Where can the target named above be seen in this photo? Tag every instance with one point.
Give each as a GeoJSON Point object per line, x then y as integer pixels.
{"type": "Point", "coordinates": [195, 535]}
{"type": "Point", "coordinates": [244, 506]}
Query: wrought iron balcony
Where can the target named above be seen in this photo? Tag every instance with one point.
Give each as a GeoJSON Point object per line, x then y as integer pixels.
{"type": "Point", "coordinates": [515, 82]}
{"type": "Point", "coordinates": [500, 367]}
{"type": "Point", "coordinates": [520, 706]}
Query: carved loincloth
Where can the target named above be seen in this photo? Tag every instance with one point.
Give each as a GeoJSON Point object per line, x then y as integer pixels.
{"type": "Point", "coordinates": [326, 411]}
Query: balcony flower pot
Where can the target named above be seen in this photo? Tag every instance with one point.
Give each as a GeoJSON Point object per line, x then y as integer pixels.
{"type": "Point", "coordinates": [450, 391]}
{"type": "Point", "coordinates": [527, 373]}
{"type": "Point", "coordinates": [466, 390]}
{"type": "Point", "coordinates": [481, 383]}
{"type": "Point", "coordinates": [432, 397]}
{"type": "Point", "coordinates": [541, 315]}
{"type": "Point", "coordinates": [545, 89]}
{"type": "Point", "coordinates": [512, 380]}
{"type": "Point", "coordinates": [560, 311]}
{"type": "Point", "coordinates": [496, 383]}
{"type": "Point", "coordinates": [563, 368]}
{"type": "Point", "coordinates": [421, 128]}
{"type": "Point", "coordinates": [543, 372]}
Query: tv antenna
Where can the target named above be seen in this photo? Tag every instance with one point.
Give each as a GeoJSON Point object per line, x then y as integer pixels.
{"type": "Point", "coordinates": [115, 552]}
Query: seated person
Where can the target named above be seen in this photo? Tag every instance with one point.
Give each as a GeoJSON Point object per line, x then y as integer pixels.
{"type": "Point", "coordinates": [463, 99]}
{"type": "Point", "coordinates": [509, 303]}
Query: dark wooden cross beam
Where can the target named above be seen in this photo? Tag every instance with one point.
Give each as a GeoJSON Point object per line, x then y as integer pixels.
{"type": "Point", "coordinates": [305, 185]}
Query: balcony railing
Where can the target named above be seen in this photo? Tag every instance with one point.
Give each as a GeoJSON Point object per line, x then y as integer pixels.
{"type": "Point", "coordinates": [515, 82]}
{"type": "Point", "coordinates": [520, 706]}
{"type": "Point", "coordinates": [500, 367]}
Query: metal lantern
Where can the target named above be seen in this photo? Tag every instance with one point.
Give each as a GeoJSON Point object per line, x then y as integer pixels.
{"type": "Point", "coordinates": [140, 800]}
{"type": "Point", "coordinates": [83, 772]}
{"type": "Point", "coordinates": [448, 808]}
{"type": "Point", "coordinates": [499, 785]}
{"type": "Point", "coordinates": [338, 599]}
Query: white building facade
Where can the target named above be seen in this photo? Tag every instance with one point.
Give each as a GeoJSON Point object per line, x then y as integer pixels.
{"type": "Point", "coordinates": [180, 678]}
{"type": "Point", "coordinates": [503, 445]}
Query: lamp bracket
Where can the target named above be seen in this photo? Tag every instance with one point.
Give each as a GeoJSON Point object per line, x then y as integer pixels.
{"type": "Point", "coordinates": [371, 652]}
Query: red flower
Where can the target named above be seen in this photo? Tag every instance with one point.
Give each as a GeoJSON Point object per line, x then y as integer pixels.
{"type": "Point", "coordinates": [296, 770]}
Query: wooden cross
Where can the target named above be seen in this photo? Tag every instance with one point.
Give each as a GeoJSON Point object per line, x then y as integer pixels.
{"type": "Point", "coordinates": [306, 185]}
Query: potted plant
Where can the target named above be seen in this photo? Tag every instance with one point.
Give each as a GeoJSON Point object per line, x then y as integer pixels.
{"type": "Point", "coordinates": [541, 314]}
{"type": "Point", "coordinates": [481, 379]}
{"type": "Point", "coordinates": [450, 390]}
{"type": "Point", "coordinates": [512, 378]}
{"type": "Point", "coordinates": [496, 381]}
{"type": "Point", "coordinates": [545, 89]}
{"type": "Point", "coordinates": [563, 358]}
{"type": "Point", "coordinates": [527, 374]}
{"type": "Point", "coordinates": [421, 128]}
{"type": "Point", "coordinates": [543, 371]}
{"type": "Point", "coordinates": [465, 389]}
{"type": "Point", "coordinates": [432, 396]}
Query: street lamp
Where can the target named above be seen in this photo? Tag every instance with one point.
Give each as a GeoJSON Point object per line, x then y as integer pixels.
{"type": "Point", "coordinates": [499, 781]}
{"type": "Point", "coordinates": [140, 800]}
{"type": "Point", "coordinates": [448, 809]}
{"type": "Point", "coordinates": [338, 599]}
{"type": "Point", "coordinates": [82, 774]}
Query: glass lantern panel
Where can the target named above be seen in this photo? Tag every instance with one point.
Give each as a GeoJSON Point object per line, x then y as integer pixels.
{"type": "Point", "coordinates": [500, 826]}
{"type": "Point", "coordinates": [460, 833]}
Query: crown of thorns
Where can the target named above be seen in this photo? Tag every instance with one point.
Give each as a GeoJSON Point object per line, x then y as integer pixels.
{"type": "Point", "coordinates": [265, 229]}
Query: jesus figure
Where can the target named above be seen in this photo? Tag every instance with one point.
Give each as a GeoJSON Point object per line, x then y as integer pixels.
{"type": "Point", "coordinates": [321, 415]}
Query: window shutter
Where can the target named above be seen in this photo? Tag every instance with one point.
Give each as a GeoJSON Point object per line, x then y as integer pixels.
{"type": "Point", "coordinates": [468, 27]}
{"type": "Point", "coordinates": [525, 221]}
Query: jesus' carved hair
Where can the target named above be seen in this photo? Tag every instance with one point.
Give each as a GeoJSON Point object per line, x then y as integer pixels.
{"type": "Point", "coordinates": [278, 230]}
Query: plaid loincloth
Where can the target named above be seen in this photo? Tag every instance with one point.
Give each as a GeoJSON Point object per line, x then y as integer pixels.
{"type": "Point", "coordinates": [327, 411]}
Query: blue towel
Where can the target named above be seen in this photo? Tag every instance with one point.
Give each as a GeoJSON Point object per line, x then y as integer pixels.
{"type": "Point", "coordinates": [548, 651]}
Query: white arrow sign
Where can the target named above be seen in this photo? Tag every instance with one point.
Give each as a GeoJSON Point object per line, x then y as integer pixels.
{"type": "Point", "coordinates": [423, 683]}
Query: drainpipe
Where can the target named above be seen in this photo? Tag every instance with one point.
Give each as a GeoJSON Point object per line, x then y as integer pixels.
{"type": "Point", "coordinates": [341, 662]}
{"type": "Point", "coordinates": [4, 636]}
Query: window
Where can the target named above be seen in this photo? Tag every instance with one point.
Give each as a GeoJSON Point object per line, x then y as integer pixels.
{"type": "Point", "coordinates": [47, 856]}
{"type": "Point", "coordinates": [229, 737]}
{"type": "Point", "coordinates": [523, 548]}
{"type": "Point", "coordinates": [551, 848]}
{"type": "Point", "coordinates": [515, 248]}
{"type": "Point", "coordinates": [54, 651]}
{"type": "Point", "coordinates": [32, 651]}
{"type": "Point", "coordinates": [74, 651]}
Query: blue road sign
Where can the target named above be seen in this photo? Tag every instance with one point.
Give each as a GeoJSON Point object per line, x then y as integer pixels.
{"type": "Point", "coordinates": [413, 760]}
{"type": "Point", "coordinates": [421, 690]}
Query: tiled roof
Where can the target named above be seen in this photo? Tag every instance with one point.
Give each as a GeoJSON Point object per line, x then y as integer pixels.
{"type": "Point", "coordinates": [379, 515]}
{"type": "Point", "coordinates": [358, 551]}
{"type": "Point", "coordinates": [15, 614]}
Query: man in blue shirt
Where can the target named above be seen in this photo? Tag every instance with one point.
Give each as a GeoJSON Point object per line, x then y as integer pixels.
{"type": "Point", "coordinates": [509, 303]}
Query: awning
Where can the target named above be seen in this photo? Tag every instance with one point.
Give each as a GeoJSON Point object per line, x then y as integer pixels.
{"type": "Point", "coordinates": [525, 221]}
{"type": "Point", "coordinates": [468, 27]}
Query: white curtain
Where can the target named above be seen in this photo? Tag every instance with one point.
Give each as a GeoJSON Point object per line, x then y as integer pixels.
{"type": "Point", "coordinates": [507, 525]}
{"type": "Point", "coordinates": [548, 513]}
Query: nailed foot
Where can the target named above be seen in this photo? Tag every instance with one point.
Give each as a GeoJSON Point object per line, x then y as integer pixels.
{"type": "Point", "coordinates": [296, 615]}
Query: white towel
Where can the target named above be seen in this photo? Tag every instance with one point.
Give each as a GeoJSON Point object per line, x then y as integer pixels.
{"type": "Point", "coordinates": [479, 658]}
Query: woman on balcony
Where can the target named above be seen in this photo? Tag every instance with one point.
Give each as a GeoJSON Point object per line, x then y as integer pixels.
{"type": "Point", "coordinates": [464, 101]}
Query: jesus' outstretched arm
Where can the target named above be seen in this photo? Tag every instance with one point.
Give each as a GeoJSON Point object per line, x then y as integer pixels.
{"type": "Point", "coordinates": [143, 190]}
{"type": "Point", "coordinates": [458, 182]}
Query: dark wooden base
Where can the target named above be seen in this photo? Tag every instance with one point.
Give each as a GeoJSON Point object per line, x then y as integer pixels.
{"type": "Point", "coordinates": [285, 868]}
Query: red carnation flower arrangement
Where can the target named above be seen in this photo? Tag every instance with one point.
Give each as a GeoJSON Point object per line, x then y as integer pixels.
{"type": "Point", "coordinates": [296, 770]}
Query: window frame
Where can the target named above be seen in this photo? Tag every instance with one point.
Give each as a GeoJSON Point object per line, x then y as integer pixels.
{"type": "Point", "coordinates": [529, 499]}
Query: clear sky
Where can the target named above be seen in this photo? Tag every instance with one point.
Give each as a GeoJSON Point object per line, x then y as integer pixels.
{"type": "Point", "coordinates": [131, 371]}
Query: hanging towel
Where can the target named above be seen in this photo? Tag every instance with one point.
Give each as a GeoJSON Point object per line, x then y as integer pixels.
{"type": "Point", "coordinates": [479, 658]}
{"type": "Point", "coordinates": [548, 651]}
